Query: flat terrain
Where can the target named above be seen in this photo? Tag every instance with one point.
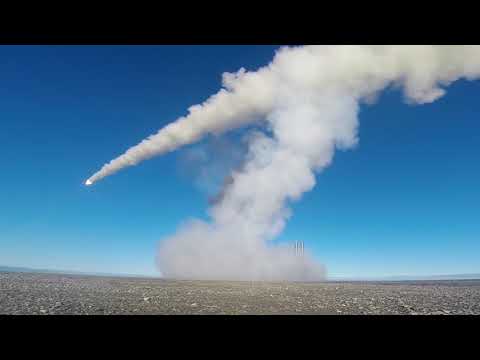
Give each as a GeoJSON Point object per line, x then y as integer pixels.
{"type": "Point", "coordinates": [23, 293]}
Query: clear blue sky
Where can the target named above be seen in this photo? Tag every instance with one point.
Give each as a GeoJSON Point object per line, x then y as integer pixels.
{"type": "Point", "coordinates": [406, 201]}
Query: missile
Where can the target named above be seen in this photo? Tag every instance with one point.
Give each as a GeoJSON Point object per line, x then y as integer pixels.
{"type": "Point", "coordinates": [88, 183]}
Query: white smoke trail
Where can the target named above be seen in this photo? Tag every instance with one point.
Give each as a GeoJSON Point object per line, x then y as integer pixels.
{"type": "Point", "coordinates": [309, 97]}
{"type": "Point", "coordinates": [359, 71]}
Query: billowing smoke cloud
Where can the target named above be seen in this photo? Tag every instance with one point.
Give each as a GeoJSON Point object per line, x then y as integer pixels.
{"type": "Point", "coordinates": [210, 164]}
{"type": "Point", "coordinates": [307, 98]}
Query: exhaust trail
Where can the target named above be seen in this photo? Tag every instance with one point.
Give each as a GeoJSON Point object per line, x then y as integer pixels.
{"type": "Point", "coordinates": [360, 70]}
{"type": "Point", "coordinates": [308, 99]}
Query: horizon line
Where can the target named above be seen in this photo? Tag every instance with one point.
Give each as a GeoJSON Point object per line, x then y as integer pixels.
{"type": "Point", "coordinates": [463, 276]}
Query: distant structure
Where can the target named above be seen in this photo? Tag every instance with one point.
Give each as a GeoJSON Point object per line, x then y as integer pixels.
{"type": "Point", "coordinates": [299, 248]}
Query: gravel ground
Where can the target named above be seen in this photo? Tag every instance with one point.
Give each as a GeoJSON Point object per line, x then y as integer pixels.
{"type": "Point", "coordinates": [22, 293]}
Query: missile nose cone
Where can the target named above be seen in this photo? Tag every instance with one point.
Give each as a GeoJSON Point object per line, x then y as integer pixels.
{"type": "Point", "coordinates": [88, 183]}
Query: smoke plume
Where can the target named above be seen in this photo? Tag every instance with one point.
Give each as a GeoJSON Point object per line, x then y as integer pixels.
{"type": "Point", "coordinates": [307, 101]}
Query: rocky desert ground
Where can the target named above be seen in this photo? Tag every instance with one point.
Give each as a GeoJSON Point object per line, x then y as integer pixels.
{"type": "Point", "coordinates": [43, 294]}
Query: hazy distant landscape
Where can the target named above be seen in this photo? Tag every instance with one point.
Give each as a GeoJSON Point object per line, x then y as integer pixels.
{"type": "Point", "coordinates": [15, 269]}
{"type": "Point", "coordinates": [334, 278]}
{"type": "Point", "coordinates": [411, 277]}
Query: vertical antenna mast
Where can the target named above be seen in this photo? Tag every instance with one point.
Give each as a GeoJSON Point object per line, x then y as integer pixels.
{"type": "Point", "coordinates": [299, 248]}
